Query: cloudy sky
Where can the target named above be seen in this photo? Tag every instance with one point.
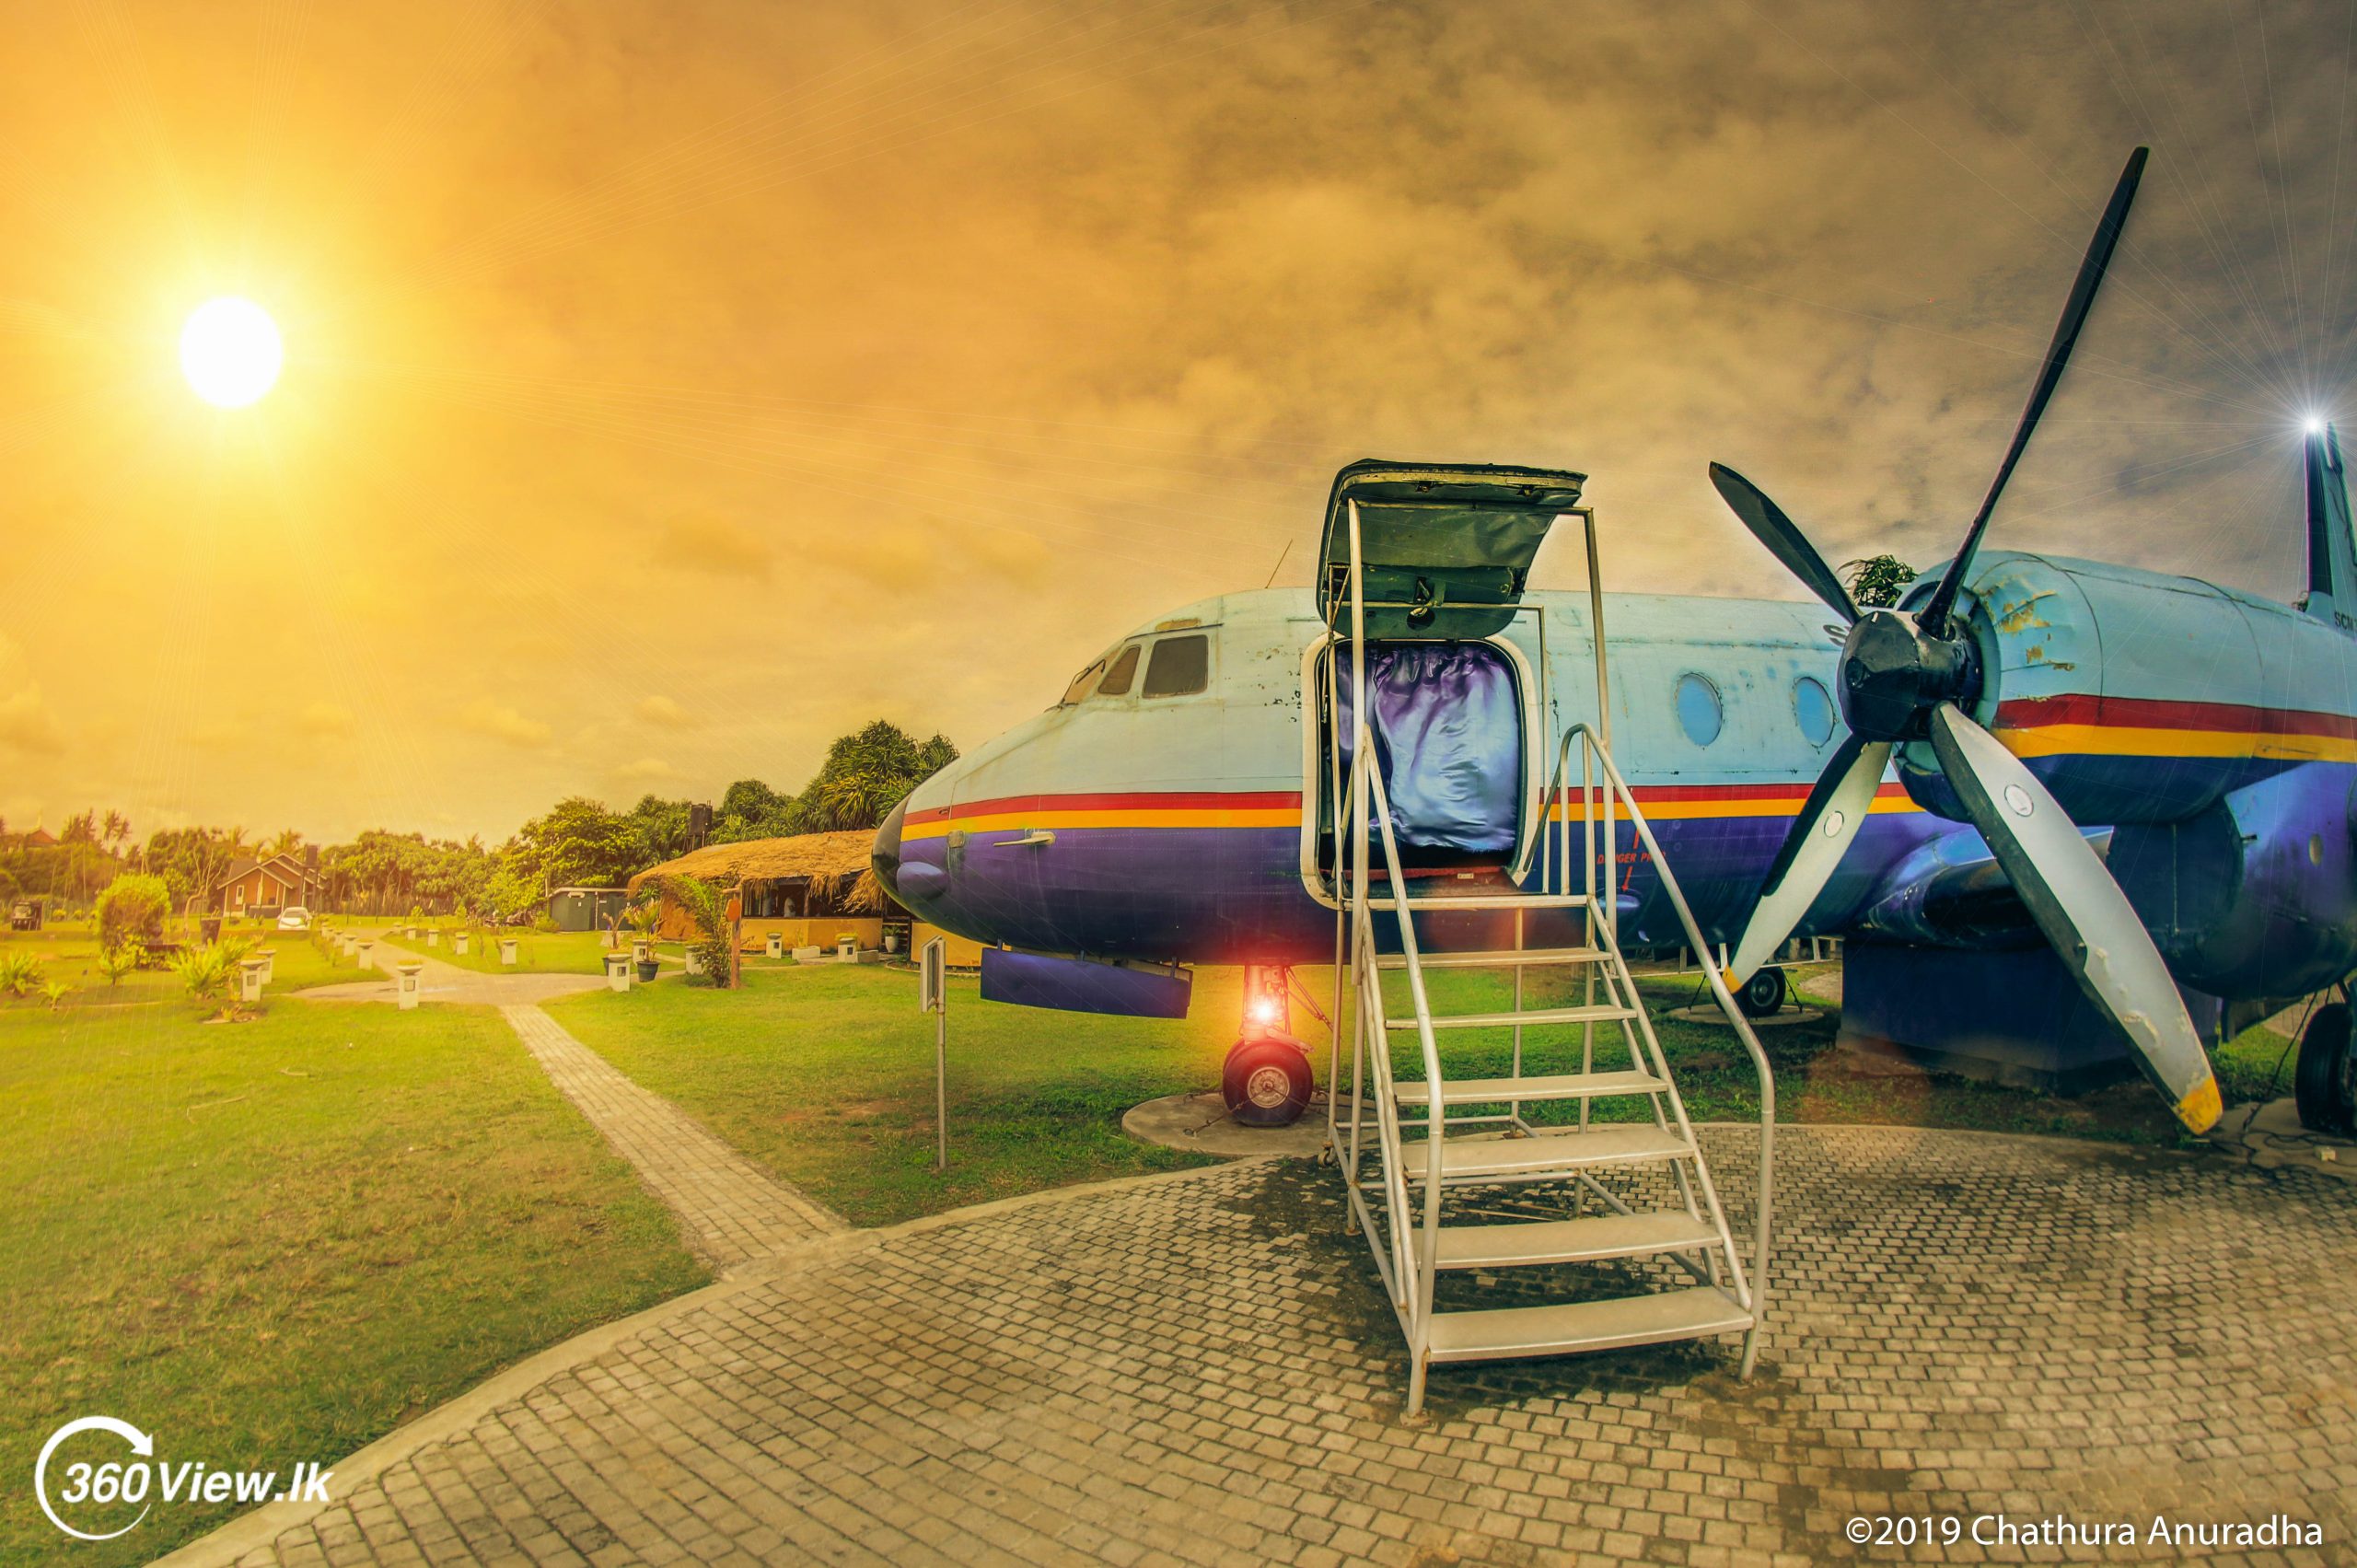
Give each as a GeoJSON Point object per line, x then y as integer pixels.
{"type": "Point", "coordinates": [672, 386]}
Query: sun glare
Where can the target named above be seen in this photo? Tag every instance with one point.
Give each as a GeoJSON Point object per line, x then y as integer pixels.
{"type": "Point", "coordinates": [230, 352]}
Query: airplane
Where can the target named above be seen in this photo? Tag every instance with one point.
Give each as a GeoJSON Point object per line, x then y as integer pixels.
{"type": "Point", "coordinates": [2070, 817]}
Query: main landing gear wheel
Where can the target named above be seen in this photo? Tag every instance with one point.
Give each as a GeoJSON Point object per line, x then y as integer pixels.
{"type": "Point", "coordinates": [2325, 1083]}
{"type": "Point", "coordinates": [1266, 1083]}
{"type": "Point", "coordinates": [1762, 994]}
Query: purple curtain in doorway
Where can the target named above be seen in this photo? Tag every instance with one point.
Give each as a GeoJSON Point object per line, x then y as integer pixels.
{"type": "Point", "coordinates": [1447, 731]}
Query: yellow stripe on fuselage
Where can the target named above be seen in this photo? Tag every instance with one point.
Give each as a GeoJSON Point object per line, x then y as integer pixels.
{"type": "Point", "coordinates": [2125, 741]}
{"type": "Point", "coordinates": [1675, 810]}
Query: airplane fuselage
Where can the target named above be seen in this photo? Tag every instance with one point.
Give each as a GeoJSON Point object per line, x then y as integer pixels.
{"type": "Point", "coordinates": [2212, 732]}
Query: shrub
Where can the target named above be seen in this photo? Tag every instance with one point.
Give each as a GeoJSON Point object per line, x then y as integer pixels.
{"type": "Point", "coordinates": [209, 974]}
{"type": "Point", "coordinates": [19, 973]}
{"type": "Point", "coordinates": [133, 910]}
{"type": "Point", "coordinates": [116, 962]}
{"type": "Point", "coordinates": [55, 991]}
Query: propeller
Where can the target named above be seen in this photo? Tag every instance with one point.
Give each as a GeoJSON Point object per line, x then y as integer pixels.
{"type": "Point", "coordinates": [1913, 676]}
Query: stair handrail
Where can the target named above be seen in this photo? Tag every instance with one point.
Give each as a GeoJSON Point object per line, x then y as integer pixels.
{"type": "Point", "coordinates": [1366, 790]}
{"type": "Point", "coordinates": [1615, 786]}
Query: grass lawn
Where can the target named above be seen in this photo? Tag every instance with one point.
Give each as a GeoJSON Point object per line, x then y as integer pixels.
{"type": "Point", "coordinates": [826, 1075]}
{"type": "Point", "coordinates": [276, 1240]}
{"type": "Point", "coordinates": [824, 1072]}
{"type": "Point", "coordinates": [536, 952]}
{"type": "Point", "coordinates": [71, 955]}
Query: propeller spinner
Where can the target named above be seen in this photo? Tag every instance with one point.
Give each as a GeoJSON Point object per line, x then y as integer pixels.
{"type": "Point", "coordinates": [1913, 676]}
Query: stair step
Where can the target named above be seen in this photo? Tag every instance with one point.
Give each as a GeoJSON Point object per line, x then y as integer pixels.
{"type": "Point", "coordinates": [1423, 902]}
{"type": "Point", "coordinates": [1574, 1241]}
{"type": "Point", "coordinates": [1598, 1014]}
{"type": "Point", "coordinates": [1504, 958]}
{"type": "Point", "coordinates": [1567, 1328]}
{"type": "Point", "coordinates": [1618, 1145]}
{"type": "Point", "coordinates": [1562, 1086]}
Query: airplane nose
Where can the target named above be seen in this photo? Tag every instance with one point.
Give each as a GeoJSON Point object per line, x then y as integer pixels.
{"type": "Point", "coordinates": [886, 854]}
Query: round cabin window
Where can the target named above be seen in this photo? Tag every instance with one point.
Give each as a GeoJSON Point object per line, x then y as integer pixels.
{"type": "Point", "coordinates": [1814, 708]}
{"type": "Point", "coordinates": [1699, 714]}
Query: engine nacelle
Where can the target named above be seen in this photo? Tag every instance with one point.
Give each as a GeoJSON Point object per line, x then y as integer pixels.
{"type": "Point", "coordinates": [2140, 698]}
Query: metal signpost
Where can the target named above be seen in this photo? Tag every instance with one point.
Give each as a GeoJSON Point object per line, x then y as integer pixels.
{"type": "Point", "coordinates": [932, 996]}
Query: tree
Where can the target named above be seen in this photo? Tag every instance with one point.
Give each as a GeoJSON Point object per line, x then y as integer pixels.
{"type": "Point", "coordinates": [1875, 580]}
{"type": "Point", "coordinates": [869, 772]}
{"type": "Point", "coordinates": [578, 843]}
{"type": "Point", "coordinates": [659, 829]}
{"type": "Point", "coordinates": [513, 889]}
{"type": "Point", "coordinates": [707, 911]}
{"type": "Point", "coordinates": [752, 809]}
{"type": "Point", "coordinates": [286, 840]}
{"type": "Point", "coordinates": [132, 910]}
{"type": "Point", "coordinates": [191, 860]}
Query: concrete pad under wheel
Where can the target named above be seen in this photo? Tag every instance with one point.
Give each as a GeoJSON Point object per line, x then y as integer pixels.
{"type": "Point", "coordinates": [1198, 1122]}
{"type": "Point", "coordinates": [1709, 1013]}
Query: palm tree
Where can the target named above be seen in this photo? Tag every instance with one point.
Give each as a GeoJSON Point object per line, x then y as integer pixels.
{"type": "Point", "coordinates": [286, 840]}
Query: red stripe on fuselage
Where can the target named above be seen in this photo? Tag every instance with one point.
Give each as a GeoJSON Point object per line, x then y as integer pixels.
{"type": "Point", "coordinates": [2153, 713]}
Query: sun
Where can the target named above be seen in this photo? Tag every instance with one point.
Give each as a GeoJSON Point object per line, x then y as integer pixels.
{"type": "Point", "coordinates": [230, 352]}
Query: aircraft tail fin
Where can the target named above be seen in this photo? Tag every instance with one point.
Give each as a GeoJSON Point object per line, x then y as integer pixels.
{"type": "Point", "coordinates": [2332, 547]}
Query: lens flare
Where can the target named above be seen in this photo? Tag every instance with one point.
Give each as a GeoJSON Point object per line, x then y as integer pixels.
{"type": "Point", "coordinates": [230, 352]}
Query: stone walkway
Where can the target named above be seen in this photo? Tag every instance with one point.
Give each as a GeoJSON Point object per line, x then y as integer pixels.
{"type": "Point", "coordinates": [1201, 1369]}
{"type": "Point", "coordinates": [440, 982]}
{"type": "Point", "coordinates": [730, 1209]}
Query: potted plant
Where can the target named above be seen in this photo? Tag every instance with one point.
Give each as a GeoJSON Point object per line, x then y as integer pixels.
{"type": "Point", "coordinates": [643, 917]}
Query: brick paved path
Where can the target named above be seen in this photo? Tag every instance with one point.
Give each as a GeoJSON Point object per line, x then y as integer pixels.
{"type": "Point", "coordinates": [1201, 1369]}
{"type": "Point", "coordinates": [730, 1210]}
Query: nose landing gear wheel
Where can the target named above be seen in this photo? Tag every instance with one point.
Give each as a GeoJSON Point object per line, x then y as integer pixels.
{"type": "Point", "coordinates": [2325, 1082]}
{"type": "Point", "coordinates": [1266, 1083]}
{"type": "Point", "coordinates": [1762, 994]}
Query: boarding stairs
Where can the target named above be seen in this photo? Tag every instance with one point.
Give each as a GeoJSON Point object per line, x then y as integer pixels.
{"type": "Point", "coordinates": [1452, 1169]}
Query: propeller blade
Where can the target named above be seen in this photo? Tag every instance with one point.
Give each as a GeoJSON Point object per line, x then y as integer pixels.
{"type": "Point", "coordinates": [2070, 894]}
{"type": "Point", "coordinates": [1820, 836]}
{"type": "Point", "coordinates": [1783, 537]}
{"type": "Point", "coordinates": [1933, 617]}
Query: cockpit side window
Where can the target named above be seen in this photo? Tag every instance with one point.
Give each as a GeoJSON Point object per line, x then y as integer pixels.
{"type": "Point", "coordinates": [1180, 666]}
{"type": "Point", "coordinates": [1119, 673]}
{"type": "Point", "coordinates": [1082, 684]}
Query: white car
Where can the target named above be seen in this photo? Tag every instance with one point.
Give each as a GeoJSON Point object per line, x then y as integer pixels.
{"type": "Point", "coordinates": [295, 917]}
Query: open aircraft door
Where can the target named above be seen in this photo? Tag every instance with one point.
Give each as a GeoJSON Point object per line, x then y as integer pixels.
{"type": "Point", "coordinates": [1460, 698]}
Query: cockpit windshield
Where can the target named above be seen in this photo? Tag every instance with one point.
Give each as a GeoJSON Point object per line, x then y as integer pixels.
{"type": "Point", "coordinates": [1082, 685]}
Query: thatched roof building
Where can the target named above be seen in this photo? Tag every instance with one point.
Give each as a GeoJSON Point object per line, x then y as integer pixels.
{"type": "Point", "coordinates": [812, 890]}
{"type": "Point", "coordinates": [835, 866]}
